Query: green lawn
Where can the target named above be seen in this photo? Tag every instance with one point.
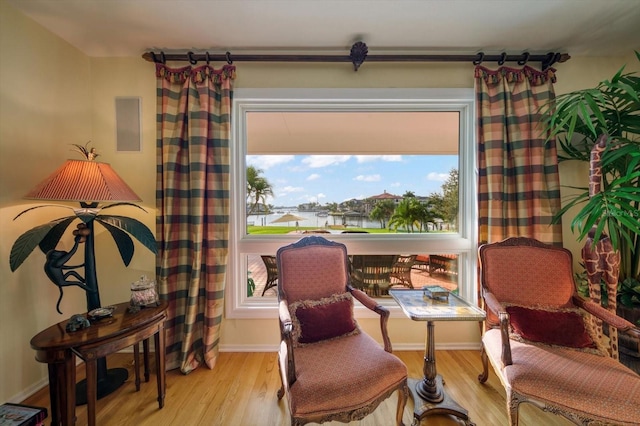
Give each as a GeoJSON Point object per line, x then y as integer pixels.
{"type": "Point", "coordinates": [277, 230]}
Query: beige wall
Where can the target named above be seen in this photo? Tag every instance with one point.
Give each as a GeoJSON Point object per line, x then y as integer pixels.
{"type": "Point", "coordinates": [52, 95]}
{"type": "Point", "coordinates": [44, 106]}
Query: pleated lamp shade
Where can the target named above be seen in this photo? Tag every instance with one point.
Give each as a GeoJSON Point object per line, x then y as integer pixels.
{"type": "Point", "coordinates": [83, 181]}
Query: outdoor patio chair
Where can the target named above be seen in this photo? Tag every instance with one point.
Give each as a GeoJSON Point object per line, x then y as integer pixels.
{"type": "Point", "coordinates": [371, 273]}
{"type": "Point", "coordinates": [539, 340]}
{"type": "Point", "coordinates": [422, 262]}
{"type": "Point", "coordinates": [330, 369]}
{"type": "Point", "coordinates": [443, 263]}
{"type": "Point", "coordinates": [401, 270]}
{"type": "Point", "coordinates": [272, 272]}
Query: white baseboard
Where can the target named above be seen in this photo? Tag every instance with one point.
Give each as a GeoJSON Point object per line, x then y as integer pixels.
{"type": "Point", "coordinates": [26, 393]}
{"type": "Point", "coordinates": [249, 348]}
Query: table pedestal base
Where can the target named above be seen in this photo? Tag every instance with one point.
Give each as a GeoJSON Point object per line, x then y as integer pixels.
{"type": "Point", "coordinates": [113, 379]}
{"type": "Point", "coordinates": [447, 405]}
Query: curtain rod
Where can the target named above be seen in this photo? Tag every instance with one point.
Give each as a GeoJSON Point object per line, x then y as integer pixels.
{"type": "Point", "coordinates": [357, 56]}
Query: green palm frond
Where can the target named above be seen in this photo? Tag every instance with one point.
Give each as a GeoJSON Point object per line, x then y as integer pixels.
{"type": "Point", "coordinates": [123, 203]}
{"type": "Point", "coordinates": [134, 227]}
{"type": "Point", "coordinates": [48, 235]}
{"type": "Point", "coordinates": [50, 241]}
{"type": "Point", "coordinates": [576, 120]}
{"type": "Point", "coordinates": [28, 241]}
{"type": "Point", "coordinates": [123, 242]}
{"type": "Point", "coordinates": [39, 207]}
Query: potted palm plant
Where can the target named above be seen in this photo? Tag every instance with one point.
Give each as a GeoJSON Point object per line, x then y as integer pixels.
{"type": "Point", "coordinates": [577, 119]}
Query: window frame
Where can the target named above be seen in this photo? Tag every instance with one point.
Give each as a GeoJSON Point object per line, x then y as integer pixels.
{"type": "Point", "coordinates": [464, 242]}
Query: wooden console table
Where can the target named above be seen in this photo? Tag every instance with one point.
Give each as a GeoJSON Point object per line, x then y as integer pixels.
{"type": "Point", "coordinates": [428, 394]}
{"type": "Point", "coordinates": [58, 348]}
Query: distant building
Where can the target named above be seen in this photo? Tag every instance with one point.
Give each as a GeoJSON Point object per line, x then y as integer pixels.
{"type": "Point", "coordinates": [370, 202]}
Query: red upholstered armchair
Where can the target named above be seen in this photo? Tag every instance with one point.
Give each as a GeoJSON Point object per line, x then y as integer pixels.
{"type": "Point", "coordinates": [330, 369]}
{"type": "Point", "coordinates": [540, 341]}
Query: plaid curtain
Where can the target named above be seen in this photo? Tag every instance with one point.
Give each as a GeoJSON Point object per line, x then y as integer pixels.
{"type": "Point", "coordinates": [192, 199]}
{"type": "Point", "coordinates": [518, 181]}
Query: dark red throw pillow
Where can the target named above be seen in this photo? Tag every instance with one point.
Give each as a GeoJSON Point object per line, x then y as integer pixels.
{"type": "Point", "coordinates": [553, 327]}
{"type": "Point", "coordinates": [325, 321]}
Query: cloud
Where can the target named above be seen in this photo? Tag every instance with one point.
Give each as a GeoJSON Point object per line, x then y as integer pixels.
{"type": "Point", "coordinates": [370, 158]}
{"type": "Point", "coordinates": [438, 177]}
{"type": "Point", "coordinates": [367, 178]}
{"type": "Point", "coordinates": [289, 189]}
{"type": "Point", "coordinates": [395, 184]}
{"type": "Point", "coordinates": [315, 198]}
{"type": "Point", "coordinates": [316, 161]}
{"type": "Point", "coordinates": [265, 162]}
{"type": "Point", "coordinates": [357, 197]}
{"type": "Point", "coordinates": [313, 176]}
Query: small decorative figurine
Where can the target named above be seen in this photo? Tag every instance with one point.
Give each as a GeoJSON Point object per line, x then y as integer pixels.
{"type": "Point", "coordinates": [55, 266]}
{"type": "Point", "coordinates": [77, 322]}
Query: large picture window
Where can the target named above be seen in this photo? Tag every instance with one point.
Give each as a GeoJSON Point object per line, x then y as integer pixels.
{"type": "Point", "coordinates": [388, 172]}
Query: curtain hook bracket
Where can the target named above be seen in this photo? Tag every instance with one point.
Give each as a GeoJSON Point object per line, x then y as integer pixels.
{"type": "Point", "coordinates": [479, 59]}
{"type": "Point", "coordinates": [163, 59]}
{"type": "Point", "coordinates": [228, 56]}
{"type": "Point", "coordinates": [525, 59]}
{"type": "Point", "coordinates": [503, 58]}
{"type": "Point", "coordinates": [548, 60]}
{"type": "Point", "coordinates": [192, 61]}
{"type": "Point", "coordinates": [207, 57]}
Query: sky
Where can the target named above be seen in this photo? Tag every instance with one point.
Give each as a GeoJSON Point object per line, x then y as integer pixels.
{"type": "Point", "coordinates": [298, 179]}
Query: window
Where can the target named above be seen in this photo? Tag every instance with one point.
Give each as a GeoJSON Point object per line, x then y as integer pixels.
{"type": "Point", "coordinates": [266, 109]}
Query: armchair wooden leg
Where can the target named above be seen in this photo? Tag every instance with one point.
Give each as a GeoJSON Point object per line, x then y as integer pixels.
{"type": "Point", "coordinates": [403, 395]}
{"type": "Point", "coordinates": [513, 404]}
{"type": "Point", "coordinates": [482, 377]}
{"type": "Point", "coordinates": [281, 390]}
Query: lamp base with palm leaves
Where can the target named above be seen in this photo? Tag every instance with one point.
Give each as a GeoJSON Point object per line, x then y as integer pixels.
{"type": "Point", "coordinates": [108, 380]}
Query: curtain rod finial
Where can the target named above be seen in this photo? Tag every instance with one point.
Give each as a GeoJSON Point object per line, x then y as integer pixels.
{"type": "Point", "coordinates": [358, 54]}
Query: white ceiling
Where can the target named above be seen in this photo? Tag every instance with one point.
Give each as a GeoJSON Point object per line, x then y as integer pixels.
{"type": "Point", "coordinates": [368, 133]}
{"type": "Point", "coordinates": [104, 28]}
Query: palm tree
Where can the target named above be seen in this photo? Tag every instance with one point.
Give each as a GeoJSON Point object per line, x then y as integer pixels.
{"type": "Point", "coordinates": [408, 213]}
{"type": "Point", "coordinates": [258, 188]}
{"type": "Point", "coordinates": [382, 212]}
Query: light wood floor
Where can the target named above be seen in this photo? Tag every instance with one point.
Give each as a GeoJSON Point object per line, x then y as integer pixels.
{"type": "Point", "coordinates": [241, 391]}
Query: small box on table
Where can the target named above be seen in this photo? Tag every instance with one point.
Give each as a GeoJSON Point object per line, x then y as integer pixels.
{"type": "Point", "coordinates": [435, 292]}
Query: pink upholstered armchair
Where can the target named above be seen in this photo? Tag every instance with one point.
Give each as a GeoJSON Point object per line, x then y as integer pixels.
{"type": "Point", "coordinates": [540, 341]}
{"type": "Point", "coordinates": [330, 369]}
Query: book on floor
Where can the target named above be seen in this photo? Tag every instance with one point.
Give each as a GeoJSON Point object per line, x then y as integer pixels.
{"type": "Point", "coordinates": [21, 415]}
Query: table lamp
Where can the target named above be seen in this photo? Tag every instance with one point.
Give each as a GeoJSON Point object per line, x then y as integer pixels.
{"type": "Point", "coordinates": [90, 183]}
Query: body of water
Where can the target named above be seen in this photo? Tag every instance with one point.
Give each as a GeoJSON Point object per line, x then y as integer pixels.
{"type": "Point", "coordinates": [312, 220]}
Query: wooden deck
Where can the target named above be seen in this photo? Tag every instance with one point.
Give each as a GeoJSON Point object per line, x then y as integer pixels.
{"type": "Point", "coordinates": [419, 277]}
